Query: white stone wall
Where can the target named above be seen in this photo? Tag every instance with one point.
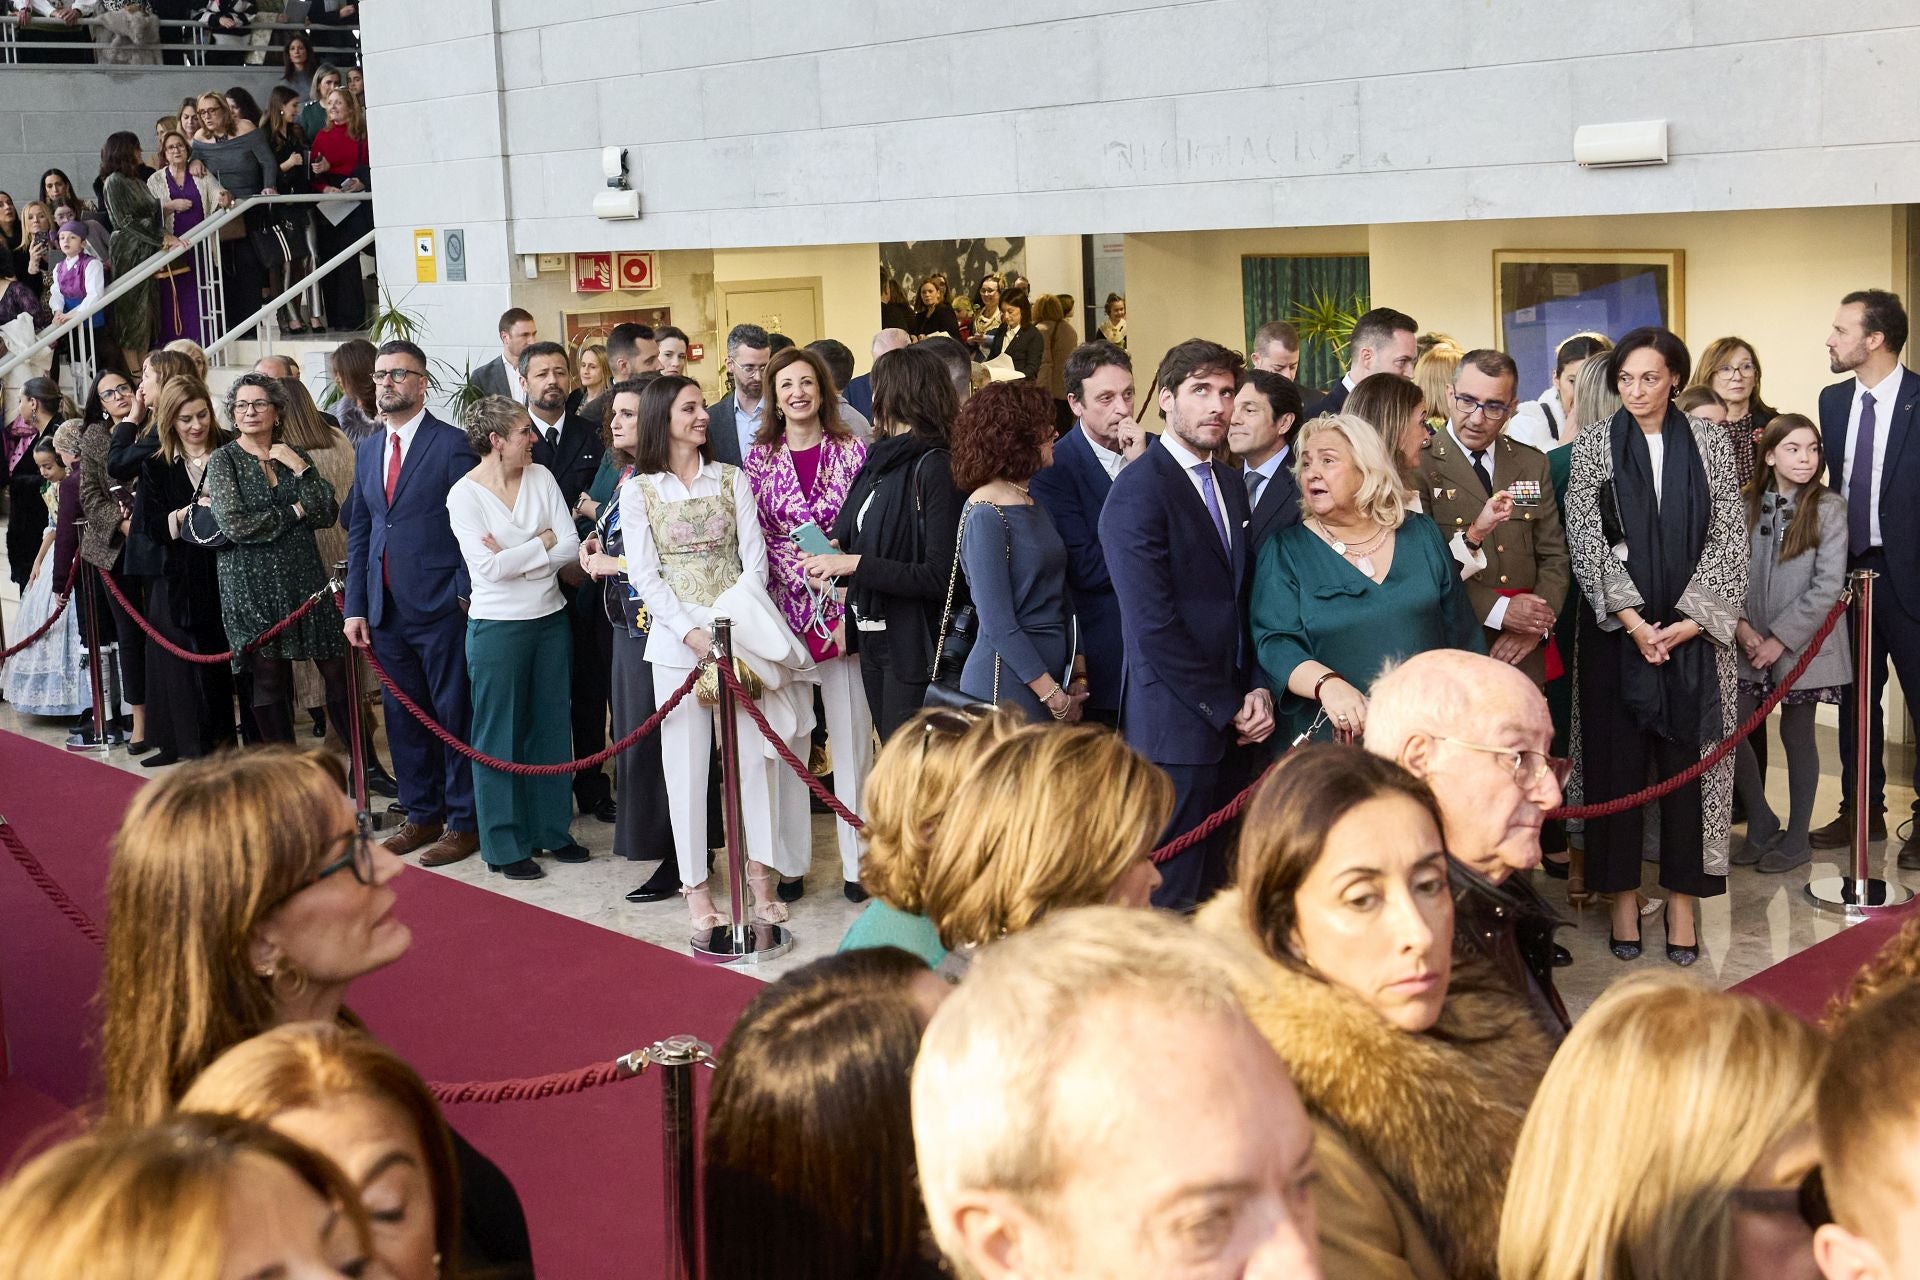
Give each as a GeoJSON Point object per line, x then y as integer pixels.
{"type": "Point", "coordinates": [764, 122]}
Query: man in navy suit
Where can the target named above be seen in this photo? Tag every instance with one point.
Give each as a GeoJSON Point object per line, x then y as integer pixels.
{"type": "Point", "coordinates": [1867, 424]}
{"type": "Point", "coordinates": [1266, 410]}
{"type": "Point", "coordinates": [500, 375]}
{"type": "Point", "coordinates": [1099, 380]}
{"type": "Point", "coordinates": [406, 588]}
{"type": "Point", "coordinates": [569, 447]}
{"type": "Point", "coordinates": [734, 419]}
{"type": "Point", "coordinates": [860, 389]}
{"type": "Point", "coordinates": [1383, 341]}
{"type": "Point", "coordinates": [1175, 530]}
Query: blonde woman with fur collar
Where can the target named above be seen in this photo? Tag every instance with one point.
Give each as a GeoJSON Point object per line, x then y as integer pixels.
{"type": "Point", "coordinates": [1415, 1068]}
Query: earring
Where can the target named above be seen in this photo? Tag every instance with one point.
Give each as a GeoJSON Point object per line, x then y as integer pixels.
{"type": "Point", "coordinates": [266, 971]}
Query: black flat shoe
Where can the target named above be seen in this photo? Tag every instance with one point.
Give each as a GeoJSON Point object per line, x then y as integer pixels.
{"type": "Point", "coordinates": [792, 890]}
{"type": "Point", "coordinates": [568, 853]}
{"type": "Point", "coordinates": [381, 783]}
{"type": "Point", "coordinates": [664, 883]}
{"type": "Point", "coordinates": [525, 869]}
{"type": "Point", "coordinates": [1556, 870]}
{"type": "Point", "coordinates": [854, 892]}
{"type": "Point", "coordinates": [1562, 958]}
{"type": "Point", "coordinates": [606, 811]}
{"type": "Point", "coordinates": [1622, 948]}
{"type": "Point", "coordinates": [139, 746]}
{"type": "Point", "coordinates": [1682, 956]}
{"type": "Point", "coordinates": [319, 724]}
{"type": "Point", "coordinates": [161, 761]}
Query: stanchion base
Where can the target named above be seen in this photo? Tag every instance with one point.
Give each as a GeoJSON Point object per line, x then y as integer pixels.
{"type": "Point", "coordinates": [1843, 895]}
{"type": "Point", "coordinates": [750, 944]}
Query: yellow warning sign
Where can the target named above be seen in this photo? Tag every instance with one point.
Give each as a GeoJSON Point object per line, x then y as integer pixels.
{"type": "Point", "coordinates": [425, 269]}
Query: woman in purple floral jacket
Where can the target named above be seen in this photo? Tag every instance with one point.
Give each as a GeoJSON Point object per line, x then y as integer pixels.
{"type": "Point", "coordinates": [801, 465]}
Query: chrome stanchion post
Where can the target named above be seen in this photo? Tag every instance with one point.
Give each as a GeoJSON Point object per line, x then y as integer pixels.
{"type": "Point", "coordinates": [1859, 894]}
{"type": "Point", "coordinates": [82, 584]}
{"type": "Point", "coordinates": [676, 1057]}
{"type": "Point", "coordinates": [740, 940]}
{"type": "Point", "coordinates": [356, 748]}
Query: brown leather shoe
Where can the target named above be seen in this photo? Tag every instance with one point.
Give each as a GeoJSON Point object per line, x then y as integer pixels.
{"type": "Point", "coordinates": [411, 836]}
{"type": "Point", "coordinates": [451, 847]}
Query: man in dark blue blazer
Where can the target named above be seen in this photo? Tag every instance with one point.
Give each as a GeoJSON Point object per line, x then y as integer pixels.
{"type": "Point", "coordinates": [860, 389]}
{"type": "Point", "coordinates": [569, 447]}
{"type": "Point", "coordinates": [1099, 380]}
{"type": "Point", "coordinates": [1175, 530]}
{"type": "Point", "coordinates": [1867, 425]}
{"type": "Point", "coordinates": [1383, 341]}
{"type": "Point", "coordinates": [406, 591]}
{"type": "Point", "coordinates": [1266, 412]}
{"type": "Point", "coordinates": [734, 418]}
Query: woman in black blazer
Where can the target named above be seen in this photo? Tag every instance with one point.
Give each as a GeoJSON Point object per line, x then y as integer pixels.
{"type": "Point", "coordinates": [935, 313]}
{"type": "Point", "coordinates": [1025, 345]}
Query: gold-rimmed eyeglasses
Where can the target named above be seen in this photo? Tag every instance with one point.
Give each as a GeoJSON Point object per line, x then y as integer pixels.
{"type": "Point", "coordinates": [1527, 767]}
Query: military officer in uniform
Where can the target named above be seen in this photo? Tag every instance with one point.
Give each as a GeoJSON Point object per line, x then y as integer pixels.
{"type": "Point", "coordinates": [1518, 594]}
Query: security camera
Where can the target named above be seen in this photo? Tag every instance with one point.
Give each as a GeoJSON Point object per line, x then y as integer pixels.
{"type": "Point", "coordinates": [613, 167]}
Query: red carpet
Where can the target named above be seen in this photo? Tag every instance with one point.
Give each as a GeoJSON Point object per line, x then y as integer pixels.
{"type": "Point", "coordinates": [1802, 984]}
{"type": "Point", "coordinates": [491, 988]}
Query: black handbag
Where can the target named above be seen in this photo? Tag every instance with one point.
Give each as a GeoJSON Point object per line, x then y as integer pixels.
{"type": "Point", "coordinates": [959, 630]}
{"type": "Point", "coordinates": [201, 527]}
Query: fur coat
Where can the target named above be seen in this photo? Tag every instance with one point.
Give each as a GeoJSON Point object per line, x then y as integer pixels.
{"type": "Point", "coordinates": [1414, 1134]}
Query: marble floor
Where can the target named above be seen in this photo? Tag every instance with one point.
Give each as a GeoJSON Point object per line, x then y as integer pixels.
{"type": "Point", "coordinates": [1760, 921]}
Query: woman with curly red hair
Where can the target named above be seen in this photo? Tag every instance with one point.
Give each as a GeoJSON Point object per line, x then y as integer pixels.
{"type": "Point", "coordinates": [1015, 562]}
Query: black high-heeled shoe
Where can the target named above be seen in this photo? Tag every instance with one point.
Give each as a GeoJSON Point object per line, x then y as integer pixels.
{"type": "Point", "coordinates": [1556, 870]}
{"type": "Point", "coordinates": [1682, 956]}
{"type": "Point", "coordinates": [1622, 948]}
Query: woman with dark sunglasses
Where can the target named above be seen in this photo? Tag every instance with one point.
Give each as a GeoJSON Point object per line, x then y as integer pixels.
{"type": "Point", "coordinates": [276, 902]}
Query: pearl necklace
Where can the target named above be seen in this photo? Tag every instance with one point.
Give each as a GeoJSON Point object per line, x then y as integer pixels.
{"type": "Point", "coordinates": [1362, 557]}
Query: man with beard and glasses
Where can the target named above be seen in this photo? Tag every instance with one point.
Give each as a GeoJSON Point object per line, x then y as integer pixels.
{"type": "Point", "coordinates": [1174, 528]}
{"type": "Point", "coordinates": [735, 420]}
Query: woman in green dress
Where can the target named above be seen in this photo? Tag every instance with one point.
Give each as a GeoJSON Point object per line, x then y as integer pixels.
{"type": "Point", "coordinates": [1359, 583]}
{"type": "Point", "coordinates": [137, 236]}
{"type": "Point", "coordinates": [268, 498]}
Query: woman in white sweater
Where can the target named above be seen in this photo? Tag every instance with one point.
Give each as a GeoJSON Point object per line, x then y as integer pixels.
{"type": "Point", "coordinates": [515, 532]}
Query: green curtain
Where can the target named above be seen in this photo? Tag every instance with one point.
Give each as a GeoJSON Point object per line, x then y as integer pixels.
{"type": "Point", "coordinates": [1272, 287]}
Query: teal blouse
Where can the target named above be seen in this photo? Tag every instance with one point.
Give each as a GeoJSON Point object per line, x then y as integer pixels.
{"type": "Point", "coordinates": [883, 926]}
{"type": "Point", "coordinates": [1310, 604]}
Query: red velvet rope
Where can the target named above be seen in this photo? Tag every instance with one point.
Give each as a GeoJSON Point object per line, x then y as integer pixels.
{"type": "Point", "coordinates": [593, 761]}
{"type": "Point", "coordinates": [209, 659]}
{"type": "Point", "coordinates": [66, 594]}
{"type": "Point", "coordinates": [794, 762]}
{"type": "Point", "coordinates": [48, 885]}
{"type": "Point", "coordinates": [530, 1088]}
{"type": "Point", "coordinates": [1633, 800]}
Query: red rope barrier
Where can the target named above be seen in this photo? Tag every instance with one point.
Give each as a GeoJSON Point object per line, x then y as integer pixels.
{"type": "Point", "coordinates": [593, 761]}
{"type": "Point", "coordinates": [210, 659]}
{"type": "Point", "coordinates": [533, 1087]}
{"type": "Point", "coordinates": [49, 886]}
{"type": "Point", "coordinates": [794, 762]}
{"type": "Point", "coordinates": [66, 594]}
{"type": "Point", "coordinates": [1633, 800]}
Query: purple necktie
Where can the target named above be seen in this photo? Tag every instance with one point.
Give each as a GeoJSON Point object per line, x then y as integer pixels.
{"type": "Point", "coordinates": [1205, 472]}
{"type": "Point", "coordinates": [1860, 481]}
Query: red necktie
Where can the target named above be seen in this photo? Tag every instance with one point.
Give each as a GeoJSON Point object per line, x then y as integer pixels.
{"type": "Point", "coordinates": [393, 479]}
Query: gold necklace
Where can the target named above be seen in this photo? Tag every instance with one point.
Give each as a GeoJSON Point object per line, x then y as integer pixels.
{"type": "Point", "coordinates": [1362, 557]}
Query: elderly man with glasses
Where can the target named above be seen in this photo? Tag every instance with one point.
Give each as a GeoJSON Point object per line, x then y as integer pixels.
{"type": "Point", "coordinates": [1518, 593]}
{"type": "Point", "coordinates": [1478, 732]}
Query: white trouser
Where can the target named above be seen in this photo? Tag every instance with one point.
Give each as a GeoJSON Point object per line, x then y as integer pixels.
{"type": "Point", "coordinates": [686, 747]}
{"type": "Point", "coordinates": [850, 734]}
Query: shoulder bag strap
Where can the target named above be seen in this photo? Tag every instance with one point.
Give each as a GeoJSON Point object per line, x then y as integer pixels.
{"type": "Point", "coordinates": [953, 579]}
{"type": "Point", "coordinates": [1004, 524]}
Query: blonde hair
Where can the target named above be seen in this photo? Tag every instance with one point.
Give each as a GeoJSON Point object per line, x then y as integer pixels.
{"type": "Point", "coordinates": [202, 857]}
{"type": "Point", "coordinates": [147, 1204]}
{"type": "Point", "coordinates": [1732, 1076]}
{"type": "Point", "coordinates": [308, 1065]}
{"type": "Point", "coordinates": [599, 351]}
{"type": "Point", "coordinates": [982, 1086]}
{"type": "Point", "coordinates": [1433, 373]}
{"type": "Point", "coordinates": [1595, 399]}
{"type": "Point", "coordinates": [193, 351]}
{"type": "Point", "coordinates": [175, 395]}
{"type": "Point", "coordinates": [908, 789]}
{"type": "Point", "coordinates": [1382, 497]}
{"type": "Point", "coordinates": [1033, 840]}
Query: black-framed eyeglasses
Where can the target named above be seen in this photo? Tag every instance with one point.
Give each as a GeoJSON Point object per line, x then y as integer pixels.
{"type": "Point", "coordinates": [1527, 767]}
{"type": "Point", "coordinates": [115, 392]}
{"type": "Point", "coordinates": [396, 375]}
{"type": "Point", "coordinates": [358, 859]}
{"type": "Point", "coordinates": [1492, 410]}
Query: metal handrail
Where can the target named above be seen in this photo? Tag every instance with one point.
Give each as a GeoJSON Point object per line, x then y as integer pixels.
{"type": "Point", "coordinates": [159, 262]}
{"type": "Point", "coordinates": [219, 344]}
{"type": "Point", "coordinates": [202, 43]}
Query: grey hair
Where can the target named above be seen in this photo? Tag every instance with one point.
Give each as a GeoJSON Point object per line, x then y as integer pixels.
{"type": "Point", "coordinates": [265, 383]}
{"type": "Point", "coordinates": [982, 1102]}
{"type": "Point", "coordinates": [490, 416]}
{"type": "Point", "coordinates": [747, 335]}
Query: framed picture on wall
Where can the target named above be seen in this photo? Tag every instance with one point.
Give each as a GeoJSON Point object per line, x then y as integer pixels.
{"type": "Point", "coordinates": [1542, 297]}
{"type": "Point", "coordinates": [577, 327]}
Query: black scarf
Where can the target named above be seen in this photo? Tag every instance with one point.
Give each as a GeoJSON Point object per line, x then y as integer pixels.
{"type": "Point", "coordinates": [1679, 699]}
{"type": "Point", "coordinates": [892, 527]}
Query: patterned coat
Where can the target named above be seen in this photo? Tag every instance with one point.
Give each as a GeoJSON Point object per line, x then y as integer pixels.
{"type": "Point", "coordinates": [784, 508]}
{"type": "Point", "coordinates": [1713, 597]}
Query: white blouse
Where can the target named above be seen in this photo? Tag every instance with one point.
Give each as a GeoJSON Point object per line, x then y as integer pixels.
{"type": "Point", "coordinates": [672, 617]}
{"type": "Point", "coordinates": [521, 580]}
